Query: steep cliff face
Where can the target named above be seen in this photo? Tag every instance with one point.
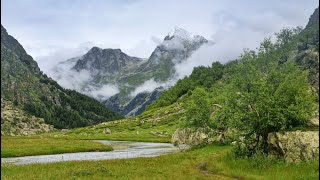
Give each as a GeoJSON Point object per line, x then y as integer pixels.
{"type": "Point", "coordinates": [113, 68]}
{"type": "Point", "coordinates": [29, 89]}
{"type": "Point", "coordinates": [308, 49]}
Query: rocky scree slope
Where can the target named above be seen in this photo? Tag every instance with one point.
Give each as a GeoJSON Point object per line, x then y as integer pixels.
{"type": "Point", "coordinates": [15, 122]}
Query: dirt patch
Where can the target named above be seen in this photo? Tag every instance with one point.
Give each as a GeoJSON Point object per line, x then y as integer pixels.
{"type": "Point", "coordinates": [203, 168]}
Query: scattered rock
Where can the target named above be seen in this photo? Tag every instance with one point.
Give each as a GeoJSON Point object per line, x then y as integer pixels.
{"type": "Point", "coordinates": [160, 133]}
{"type": "Point", "coordinates": [294, 146]}
{"type": "Point", "coordinates": [107, 131]}
{"type": "Point", "coordinates": [314, 121]}
{"type": "Point", "coordinates": [16, 122]}
{"type": "Point", "coordinates": [192, 137]}
{"type": "Point", "coordinates": [228, 136]}
{"type": "Point", "coordinates": [183, 147]}
{"type": "Point", "coordinates": [64, 130]}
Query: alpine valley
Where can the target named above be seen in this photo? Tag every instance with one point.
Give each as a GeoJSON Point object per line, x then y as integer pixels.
{"type": "Point", "coordinates": [253, 117]}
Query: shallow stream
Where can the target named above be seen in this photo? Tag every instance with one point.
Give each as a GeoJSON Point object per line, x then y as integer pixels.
{"type": "Point", "coordinates": [122, 150]}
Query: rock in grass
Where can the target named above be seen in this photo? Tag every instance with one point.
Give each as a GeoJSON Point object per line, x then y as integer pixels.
{"type": "Point", "coordinates": [314, 122]}
{"type": "Point", "coordinates": [191, 137]}
{"type": "Point", "coordinates": [107, 131]}
{"type": "Point", "coordinates": [294, 146]}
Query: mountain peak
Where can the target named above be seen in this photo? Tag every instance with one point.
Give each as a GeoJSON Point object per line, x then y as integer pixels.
{"type": "Point", "coordinates": [97, 49]}
{"type": "Point", "coordinates": [184, 35]}
{"type": "Point", "coordinates": [180, 32]}
{"type": "Point", "coordinates": [104, 61]}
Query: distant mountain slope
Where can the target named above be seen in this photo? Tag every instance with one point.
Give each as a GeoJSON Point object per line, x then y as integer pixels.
{"type": "Point", "coordinates": [308, 49]}
{"type": "Point", "coordinates": [110, 70]}
{"type": "Point", "coordinates": [29, 89]}
{"type": "Point", "coordinates": [104, 61]}
{"type": "Point", "coordinates": [303, 49]}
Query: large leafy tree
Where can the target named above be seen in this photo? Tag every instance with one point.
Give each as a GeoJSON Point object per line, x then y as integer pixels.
{"type": "Point", "coordinates": [198, 109]}
{"type": "Point", "coordinates": [266, 96]}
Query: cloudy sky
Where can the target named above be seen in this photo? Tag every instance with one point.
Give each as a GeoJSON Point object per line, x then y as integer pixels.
{"type": "Point", "coordinates": [54, 30]}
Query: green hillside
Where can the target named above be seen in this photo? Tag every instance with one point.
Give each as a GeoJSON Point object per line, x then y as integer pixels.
{"type": "Point", "coordinates": [29, 89]}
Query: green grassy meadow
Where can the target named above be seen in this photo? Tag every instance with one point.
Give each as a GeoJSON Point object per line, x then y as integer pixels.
{"type": "Point", "coordinates": [209, 162]}
{"type": "Point", "coordinates": [27, 146]}
{"type": "Point", "coordinates": [156, 125]}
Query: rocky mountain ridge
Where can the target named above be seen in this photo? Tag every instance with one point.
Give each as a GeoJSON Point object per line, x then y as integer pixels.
{"type": "Point", "coordinates": [125, 73]}
{"type": "Point", "coordinates": [104, 61]}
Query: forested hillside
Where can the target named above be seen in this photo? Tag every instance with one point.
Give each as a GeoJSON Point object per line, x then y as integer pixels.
{"type": "Point", "coordinates": [29, 89]}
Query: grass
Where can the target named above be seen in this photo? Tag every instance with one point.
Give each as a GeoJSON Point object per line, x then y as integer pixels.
{"type": "Point", "coordinates": [156, 125]}
{"type": "Point", "coordinates": [209, 162]}
{"type": "Point", "coordinates": [265, 168]}
{"type": "Point", "coordinates": [152, 126]}
{"type": "Point", "coordinates": [27, 146]}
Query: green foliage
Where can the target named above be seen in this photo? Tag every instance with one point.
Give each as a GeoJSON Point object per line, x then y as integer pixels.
{"type": "Point", "coordinates": [201, 77]}
{"type": "Point", "coordinates": [265, 96]}
{"type": "Point", "coordinates": [198, 109]}
{"type": "Point", "coordinates": [81, 110]}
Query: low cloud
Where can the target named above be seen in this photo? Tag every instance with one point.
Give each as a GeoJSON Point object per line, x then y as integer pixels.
{"type": "Point", "coordinates": [229, 43]}
{"type": "Point", "coordinates": [72, 79]}
{"type": "Point", "coordinates": [101, 93]}
{"type": "Point", "coordinates": [151, 84]}
{"type": "Point", "coordinates": [147, 86]}
{"type": "Point", "coordinates": [58, 66]}
{"type": "Point", "coordinates": [46, 63]}
{"type": "Point", "coordinates": [202, 57]}
{"type": "Point", "coordinates": [156, 40]}
{"type": "Point", "coordinates": [173, 44]}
